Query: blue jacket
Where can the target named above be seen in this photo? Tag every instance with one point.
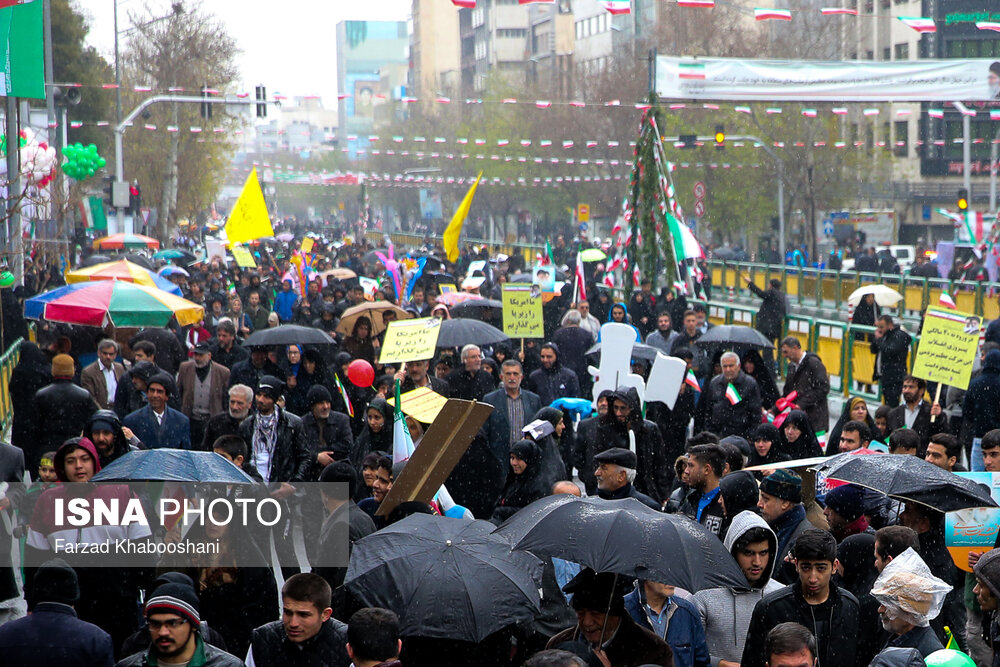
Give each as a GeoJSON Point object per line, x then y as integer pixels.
{"type": "Point", "coordinates": [638, 336]}
{"type": "Point", "coordinates": [53, 636]}
{"type": "Point", "coordinates": [685, 633]}
{"type": "Point", "coordinates": [174, 432]}
{"type": "Point", "coordinates": [284, 303]}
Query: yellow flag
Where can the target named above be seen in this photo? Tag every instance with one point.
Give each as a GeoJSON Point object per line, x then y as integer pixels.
{"type": "Point", "coordinates": [249, 220]}
{"type": "Point", "coordinates": [454, 229]}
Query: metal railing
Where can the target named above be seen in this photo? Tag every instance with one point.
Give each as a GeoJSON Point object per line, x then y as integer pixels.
{"type": "Point", "coordinates": [827, 289]}
{"type": "Point", "coordinates": [8, 361]}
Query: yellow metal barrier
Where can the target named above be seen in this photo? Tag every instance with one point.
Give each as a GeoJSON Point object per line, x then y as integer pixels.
{"type": "Point", "coordinates": [7, 363]}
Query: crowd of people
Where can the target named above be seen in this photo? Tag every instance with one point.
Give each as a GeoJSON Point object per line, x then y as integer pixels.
{"type": "Point", "coordinates": [839, 574]}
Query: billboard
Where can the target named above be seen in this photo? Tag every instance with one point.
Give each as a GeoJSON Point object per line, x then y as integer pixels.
{"type": "Point", "coordinates": [828, 81]}
{"type": "Point", "coordinates": [22, 51]}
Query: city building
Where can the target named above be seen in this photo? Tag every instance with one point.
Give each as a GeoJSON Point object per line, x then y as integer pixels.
{"type": "Point", "coordinates": [494, 43]}
{"type": "Point", "coordinates": [435, 50]}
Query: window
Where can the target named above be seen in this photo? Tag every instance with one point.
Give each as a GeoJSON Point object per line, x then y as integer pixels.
{"type": "Point", "coordinates": [901, 140]}
{"type": "Point", "coordinates": [869, 55]}
{"type": "Point", "coordinates": [579, 30]}
{"type": "Point", "coordinates": [512, 33]}
{"type": "Point", "coordinates": [973, 48]}
{"type": "Point", "coordinates": [902, 51]}
{"type": "Point", "coordinates": [887, 53]}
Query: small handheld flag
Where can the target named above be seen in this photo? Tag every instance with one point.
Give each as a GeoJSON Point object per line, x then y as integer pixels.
{"type": "Point", "coordinates": [946, 300]}
{"type": "Point", "coordinates": [692, 381]}
{"type": "Point", "coordinates": [733, 395]}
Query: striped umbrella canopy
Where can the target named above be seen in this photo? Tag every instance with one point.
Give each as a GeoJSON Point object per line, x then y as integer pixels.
{"type": "Point", "coordinates": [122, 270]}
{"type": "Point", "coordinates": [122, 241]}
{"type": "Point", "coordinates": [103, 302]}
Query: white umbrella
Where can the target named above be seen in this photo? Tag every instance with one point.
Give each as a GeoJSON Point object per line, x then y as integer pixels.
{"type": "Point", "coordinates": [884, 296]}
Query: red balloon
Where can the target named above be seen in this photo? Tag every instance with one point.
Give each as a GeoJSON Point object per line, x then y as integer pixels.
{"type": "Point", "coordinates": [361, 373]}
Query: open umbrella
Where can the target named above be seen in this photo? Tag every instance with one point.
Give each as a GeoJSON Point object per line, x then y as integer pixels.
{"type": "Point", "coordinates": [288, 334]}
{"type": "Point", "coordinates": [373, 311]}
{"type": "Point", "coordinates": [456, 333]}
{"type": "Point", "coordinates": [172, 465]}
{"type": "Point", "coordinates": [95, 259]}
{"type": "Point", "coordinates": [454, 298]}
{"type": "Point", "coordinates": [624, 537]}
{"type": "Point", "coordinates": [97, 304]}
{"type": "Point", "coordinates": [183, 256]}
{"type": "Point", "coordinates": [477, 309]}
{"type": "Point", "coordinates": [122, 241]}
{"type": "Point", "coordinates": [171, 270]}
{"type": "Point", "coordinates": [140, 259]}
{"type": "Point", "coordinates": [884, 295]}
{"type": "Point", "coordinates": [639, 351]}
{"type": "Point", "coordinates": [339, 273]}
{"type": "Point", "coordinates": [593, 255]}
{"type": "Point", "coordinates": [445, 578]}
{"type": "Point", "coordinates": [284, 237]}
{"type": "Point", "coordinates": [122, 270]}
{"type": "Point", "coordinates": [909, 479]}
{"type": "Point", "coordinates": [736, 335]}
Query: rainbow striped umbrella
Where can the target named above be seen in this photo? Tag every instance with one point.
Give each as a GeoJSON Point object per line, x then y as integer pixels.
{"type": "Point", "coordinates": [123, 241]}
{"type": "Point", "coordinates": [103, 302]}
{"type": "Point", "coordinates": [122, 270]}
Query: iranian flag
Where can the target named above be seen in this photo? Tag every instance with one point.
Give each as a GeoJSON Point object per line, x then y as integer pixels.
{"type": "Point", "coordinates": [919, 23]}
{"type": "Point", "coordinates": [402, 443]}
{"type": "Point", "coordinates": [617, 6]}
{"type": "Point", "coordinates": [767, 14]}
{"type": "Point", "coordinates": [732, 395]}
{"type": "Point", "coordinates": [833, 11]}
{"type": "Point", "coordinates": [581, 283]}
{"type": "Point", "coordinates": [706, 4]}
{"type": "Point", "coordinates": [935, 113]}
{"type": "Point", "coordinates": [343, 394]}
{"type": "Point", "coordinates": [946, 300]}
{"type": "Point", "coordinates": [988, 25]}
{"type": "Point", "coordinates": [466, 4]}
{"type": "Point", "coordinates": [691, 71]}
{"type": "Point", "coordinates": [685, 244]}
{"type": "Point", "coordinates": [692, 381]}
{"type": "Point", "coordinates": [549, 258]}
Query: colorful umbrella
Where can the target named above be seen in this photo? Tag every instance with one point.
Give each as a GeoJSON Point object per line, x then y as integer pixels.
{"type": "Point", "coordinates": [122, 270]}
{"type": "Point", "coordinates": [122, 304]}
{"type": "Point", "coordinates": [173, 253]}
{"type": "Point", "coordinates": [454, 298]}
{"type": "Point", "coordinates": [593, 255]}
{"type": "Point", "coordinates": [121, 241]}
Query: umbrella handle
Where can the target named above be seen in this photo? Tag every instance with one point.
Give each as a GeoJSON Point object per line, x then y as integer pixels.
{"type": "Point", "coordinates": [607, 612]}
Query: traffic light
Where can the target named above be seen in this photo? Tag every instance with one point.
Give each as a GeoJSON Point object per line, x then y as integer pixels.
{"type": "Point", "coordinates": [135, 199]}
{"type": "Point", "coordinates": [963, 200]}
{"type": "Point", "coordinates": [720, 137]}
{"type": "Point", "coordinates": [109, 191]}
{"type": "Point", "coordinates": [261, 102]}
{"type": "Point", "coordinates": [206, 107]}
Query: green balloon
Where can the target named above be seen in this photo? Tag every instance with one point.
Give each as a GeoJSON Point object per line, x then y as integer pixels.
{"type": "Point", "coordinates": [947, 657]}
{"type": "Point", "coordinates": [6, 279]}
{"type": "Point", "coordinates": [101, 162]}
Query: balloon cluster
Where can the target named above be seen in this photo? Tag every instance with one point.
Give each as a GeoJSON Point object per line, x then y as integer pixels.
{"type": "Point", "coordinates": [3, 143]}
{"type": "Point", "coordinates": [38, 160]}
{"type": "Point", "coordinates": [81, 161]}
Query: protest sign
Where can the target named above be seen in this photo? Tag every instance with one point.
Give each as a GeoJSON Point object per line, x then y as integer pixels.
{"type": "Point", "coordinates": [307, 244]}
{"type": "Point", "coordinates": [975, 528]}
{"type": "Point", "coordinates": [522, 311]}
{"type": "Point", "coordinates": [410, 340]}
{"type": "Point", "coordinates": [423, 404]}
{"type": "Point", "coordinates": [948, 343]}
{"type": "Point", "coordinates": [447, 288]}
{"type": "Point", "coordinates": [244, 258]}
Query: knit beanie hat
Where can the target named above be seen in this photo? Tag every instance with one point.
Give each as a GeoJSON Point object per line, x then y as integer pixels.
{"type": "Point", "coordinates": [318, 394]}
{"type": "Point", "coordinates": [62, 366]}
{"type": "Point", "coordinates": [55, 581]}
{"type": "Point", "coordinates": [848, 501]}
{"type": "Point", "coordinates": [783, 484]}
{"type": "Point", "coordinates": [988, 569]}
{"type": "Point", "coordinates": [175, 599]}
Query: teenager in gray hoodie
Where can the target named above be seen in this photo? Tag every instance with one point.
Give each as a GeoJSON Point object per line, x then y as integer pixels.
{"type": "Point", "coordinates": [726, 612]}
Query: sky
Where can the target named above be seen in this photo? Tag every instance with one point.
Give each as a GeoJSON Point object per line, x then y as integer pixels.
{"type": "Point", "coordinates": [289, 46]}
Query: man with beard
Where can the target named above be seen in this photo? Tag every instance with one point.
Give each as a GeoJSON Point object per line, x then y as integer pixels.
{"type": "Point", "coordinates": [173, 619]}
{"type": "Point", "coordinates": [586, 442]}
{"type": "Point", "coordinates": [625, 417]}
{"type": "Point", "coordinates": [202, 384]}
{"type": "Point", "coordinates": [552, 380]}
{"type": "Point", "coordinates": [327, 434]}
{"type": "Point", "coordinates": [228, 421]}
{"type": "Point", "coordinates": [274, 440]}
{"type": "Point", "coordinates": [112, 440]}
{"type": "Point", "coordinates": [158, 425]}
{"type": "Point", "coordinates": [615, 472]}
{"type": "Point", "coordinates": [471, 382]}
{"type": "Point", "coordinates": [730, 403]}
{"type": "Point", "coordinates": [415, 375]}
{"type": "Point", "coordinates": [225, 351]}
{"type": "Point", "coordinates": [704, 470]}
{"type": "Point", "coordinates": [250, 371]}
{"type": "Point", "coordinates": [916, 413]}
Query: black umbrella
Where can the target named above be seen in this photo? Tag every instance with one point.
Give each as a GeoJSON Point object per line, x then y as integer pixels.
{"type": "Point", "coordinates": [908, 478]}
{"type": "Point", "coordinates": [639, 351]}
{"type": "Point", "coordinates": [288, 334]}
{"type": "Point", "coordinates": [459, 332]}
{"type": "Point", "coordinates": [93, 260]}
{"type": "Point", "coordinates": [141, 260]}
{"type": "Point", "coordinates": [477, 309]}
{"type": "Point", "coordinates": [173, 465]}
{"type": "Point", "coordinates": [446, 578]}
{"type": "Point", "coordinates": [624, 537]}
{"type": "Point", "coordinates": [736, 335]}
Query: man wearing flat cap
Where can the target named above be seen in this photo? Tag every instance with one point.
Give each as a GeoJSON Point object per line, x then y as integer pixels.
{"type": "Point", "coordinates": [202, 384]}
{"type": "Point", "coordinates": [615, 474]}
{"type": "Point", "coordinates": [605, 627]}
{"type": "Point", "coordinates": [159, 425]}
{"type": "Point", "coordinates": [781, 506]}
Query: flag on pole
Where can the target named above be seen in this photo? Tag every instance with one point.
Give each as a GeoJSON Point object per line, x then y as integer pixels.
{"type": "Point", "coordinates": [733, 395]}
{"type": "Point", "coordinates": [581, 283]}
{"type": "Point", "coordinates": [767, 14]}
{"type": "Point", "coordinates": [454, 229]}
{"type": "Point", "coordinates": [402, 443]}
{"type": "Point", "coordinates": [343, 395]}
{"type": "Point", "coordinates": [617, 6]}
{"type": "Point", "coordinates": [249, 220]}
{"type": "Point", "coordinates": [830, 11]}
{"type": "Point", "coordinates": [692, 380]}
{"type": "Point", "coordinates": [919, 23]}
{"type": "Point", "coordinates": [946, 300]}
{"type": "Point", "coordinates": [549, 258]}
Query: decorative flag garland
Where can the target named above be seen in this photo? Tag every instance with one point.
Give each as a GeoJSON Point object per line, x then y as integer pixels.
{"type": "Point", "coordinates": [919, 23]}
{"type": "Point", "coordinates": [769, 14]}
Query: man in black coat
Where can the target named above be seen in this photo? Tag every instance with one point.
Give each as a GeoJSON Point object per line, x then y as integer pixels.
{"type": "Point", "coordinates": [416, 374]}
{"type": "Point", "coordinates": [771, 314]}
{"type": "Point", "coordinates": [625, 416]}
{"type": "Point", "coordinates": [169, 353]}
{"type": "Point", "coordinates": [327, 434]}
{"type": "Point", "coordinates": [274, 440]}
{"type": "Point", "coordinates": [915, 413]}
{"type": "Point", "coordinates": [704, 470]}
{"type": "Point", "coordinates": [807, 377]}
{"type": "Point", "coordinates": [587, 445]}
{"type": "Point", "coordinates": [470, 382]}
{"type": "Point", "coordinates": [829, 612]}
{"type": "Point", "coordinates": [730, 403]}
{"type": "Point", "coordinates": [306, 634]}
{"type": "Point", "coordinates": [891, 347]}
{"type": "Point", "coordinates": [615, 470]}
{"type": "Point", "coordinates": [228, 421]}
{"type": "Point", "coordinates": [552, 380]}
{"type": "Point", "coordinates": [225, 349]}
{"type": "Point", "coordinates": [250, 371]}
{"type": "Point", "coordinates": [63, 409]}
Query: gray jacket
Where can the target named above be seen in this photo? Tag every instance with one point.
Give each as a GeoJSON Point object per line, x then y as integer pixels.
{"type": "Point", "coordinates": [726, 612]}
